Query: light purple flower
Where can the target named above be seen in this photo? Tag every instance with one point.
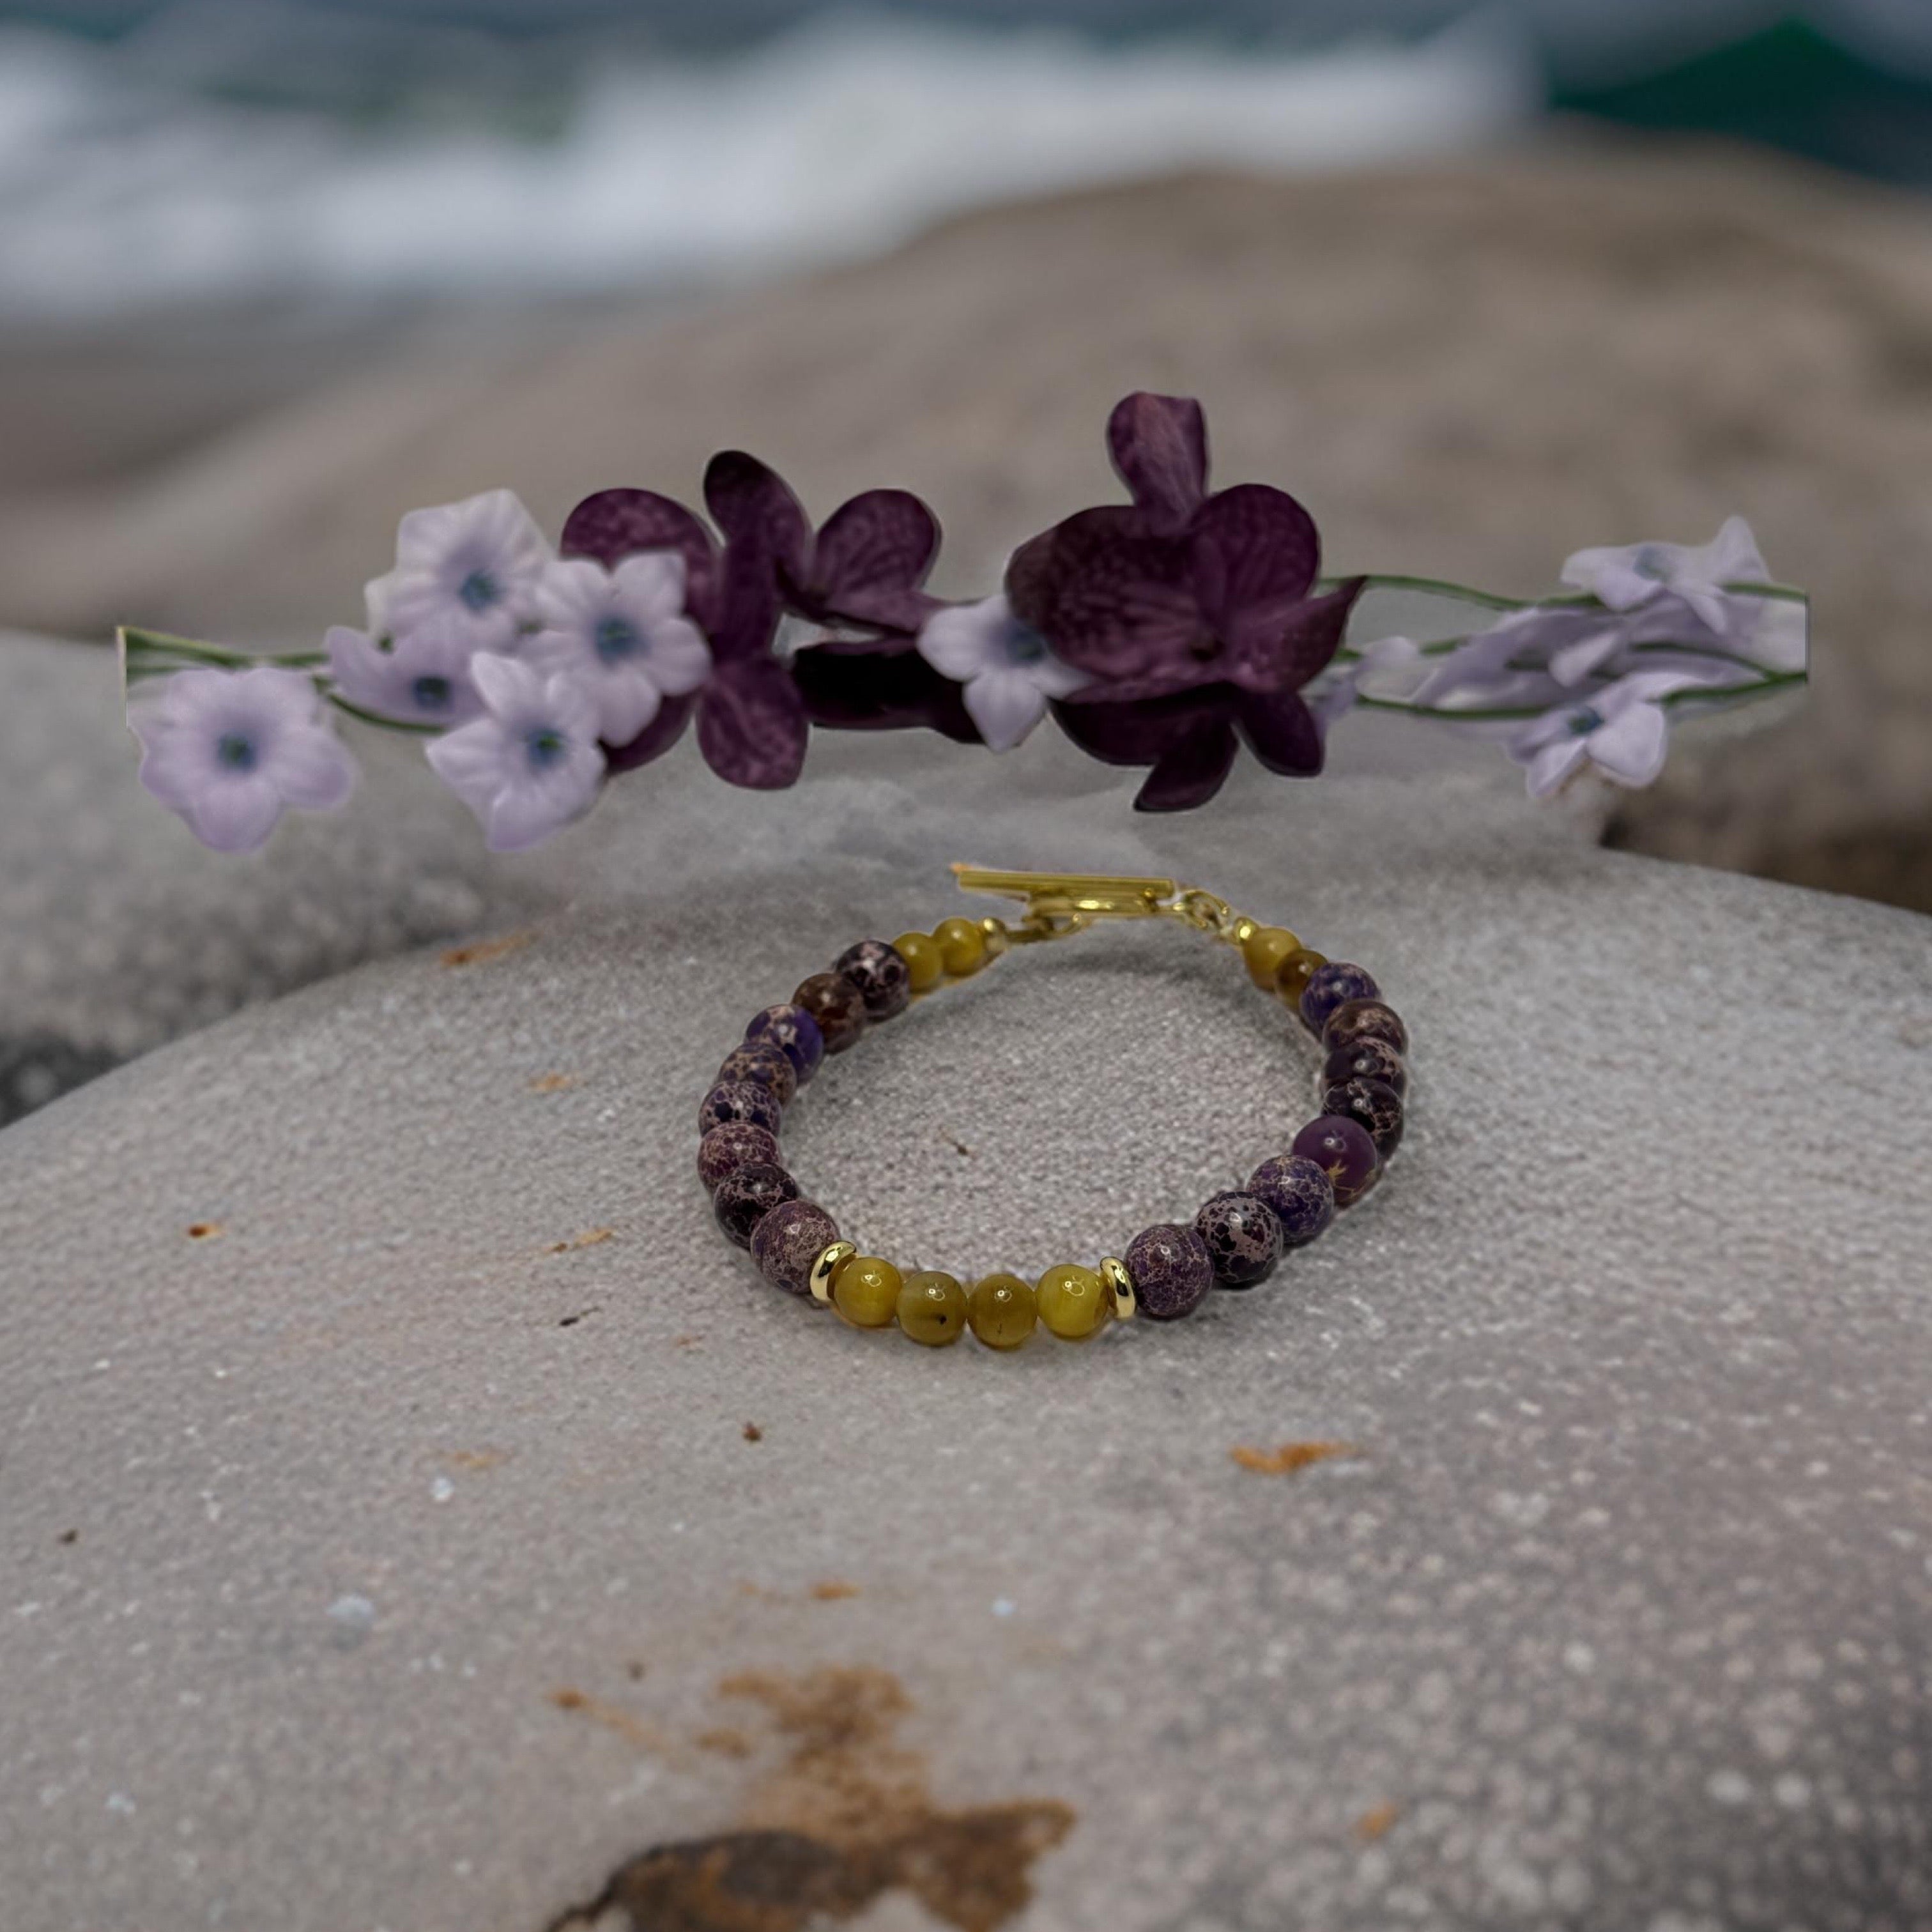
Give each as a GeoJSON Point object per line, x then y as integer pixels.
{"type": "Point", "coordinates": [1514, 661]}
{"type": "Point", "coordinates": [531, 764]}
{"type": "Point", "coordinates": [422, 678]}
{"type": "Point", "coordinates": [1390, 667]}
{"type": "Point", "coordinates": [1621, 731]}
{"type": "Point", "coordinates": [231, 751]}
{"type": "Point", "coordinates": [473, 565]}
{"type": "Point", "coordinates": [1639, 574]}
{"type": "Point", "coordinates": [623, 633]}
{"type": "Point", "coordinates": [1006, 669]}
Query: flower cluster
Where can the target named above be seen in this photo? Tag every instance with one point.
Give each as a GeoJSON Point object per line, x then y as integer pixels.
{"type": "Point", "coordinates": [1164, 632]}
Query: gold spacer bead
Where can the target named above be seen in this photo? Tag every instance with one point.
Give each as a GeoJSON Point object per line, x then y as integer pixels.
{"type": "Point", "coordinates": [825, 1268]}
{"type": "Point", "coordinates": [1115, 1275]}
{"type": "Point", "coordinates": [997, 936]}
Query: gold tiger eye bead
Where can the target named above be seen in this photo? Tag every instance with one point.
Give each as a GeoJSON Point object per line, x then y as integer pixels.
{"type": "Point", "coordinates": [924, 964]}
{"type": "Point", "coordinates": [1002, 1310]}
{"type": "Point", "coordinates": [820, 1279]}
{"type": "Point", "coordinates": [1295, 972]}
{"type": "Point", "coordinates": [1073, 1301]}
{"type": "Point", "coordinates": [1119, 1284]}
{"type": "Point", "coordinates": [962, 946]}
{"type": "Point", "coordinates": [866, 1291]}
{"type": "Point", "coordinates": [1263, 950]}
{"type": "Point", "coordinates": [932, 1309]}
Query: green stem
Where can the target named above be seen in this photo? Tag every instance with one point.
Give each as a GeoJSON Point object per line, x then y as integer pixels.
{"type": "Point", "coordinates": [341, 703]}
{"type": "Point", "coordinates": [1438, 586]}
{"type": "Point", "coordinates": [1507, 714]}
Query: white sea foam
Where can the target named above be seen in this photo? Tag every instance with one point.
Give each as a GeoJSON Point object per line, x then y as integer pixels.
{"type": "Point", "coordinates": [122, 193]}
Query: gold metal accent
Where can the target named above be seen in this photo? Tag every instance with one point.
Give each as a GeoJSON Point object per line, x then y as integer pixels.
{"type": "Point", "coordinates": [1059, 904]}
{"type": "Point", "coordinates": [825, 1268]}
{"type": "Point", "coordinates": [1121, 1286]}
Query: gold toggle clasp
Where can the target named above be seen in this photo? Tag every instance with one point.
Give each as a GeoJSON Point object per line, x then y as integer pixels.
{"type": "Point", "coordinates": [1058, 904]}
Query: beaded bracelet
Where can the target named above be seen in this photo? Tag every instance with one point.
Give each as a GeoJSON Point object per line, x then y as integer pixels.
{"type": "Point", "coordinates": [1234, 1242]}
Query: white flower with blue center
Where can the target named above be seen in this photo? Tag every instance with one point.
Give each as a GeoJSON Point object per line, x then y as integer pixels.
{"type": "Point", "coordinates": [621, 633]}
{"type": "Point", "coordinates": [531, 764]}
{"type": "Point", "coordinates": [1627, 578]}
{"type": "Point", "coordinates": [473, 566]}
{"type": "Point", "coordinates": [1622, 731]}
{"type": "Point", "coordinates": [1008, 671]}
{"type": "Point", "coordinates": [420, 678]}
{"type": "Point", "coordinates": [231, 751]}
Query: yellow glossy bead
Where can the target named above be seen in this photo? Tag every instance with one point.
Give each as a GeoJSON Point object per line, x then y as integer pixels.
{"type": "Point", "coordinates": [1002, 1310]}
{"type": "Point", "coordinates": [1295, 972]}
{"type": "Point", "coordinates": [962, 945]}
{"type": "Point", "coordinates": [924, 961]}
{"type": "Point", "coordinates": [866, 1291]}
{"type": "Point", "coordinates": [1264, 949]}
{"type": "Point", "coordinates": [932, 1309]}
{"type": "Point", "coordinates": [1073, 1301]}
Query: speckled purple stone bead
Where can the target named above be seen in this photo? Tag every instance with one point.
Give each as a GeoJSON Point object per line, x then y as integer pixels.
{"type": "Point", "coordinates": [733, 1145]}
{"type": "Point", "coordinates": [765, 1064]}
{"type": "Point", "coordinates": [740, 1100]}
{"type": "Point", "coordinates": [1299, 1193]}
{"type": "Point", "coordinates": [1367, 1058]}
{"type": "Point", "coordinates": [883, 979]}
{"type": "Point", "coordinates": [1171, 1271]}
{"type": "Point", "coordinates": [1243, 1239]}
{"type": "Point", "coordinates": [747, 1194]}
{"type": "Point", "coordinates": [1333, 985]}
{"type": "Point", "coordinates": [1341, 1147]}
{"type": "Point", "coordinates": [788, 1239]}
{"type": "Point", "coordinates": [797, 1032]}
{"type": "Point", "coordinates": [1373, 1104]}
{"type": "Point", "coordinates": [837, 1004]}
{"type": "Point", "coordinates": [1364, 1019]}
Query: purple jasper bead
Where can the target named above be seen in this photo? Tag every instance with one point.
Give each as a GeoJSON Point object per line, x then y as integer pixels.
{"type": "Point", "coordinates": [1243, 1239]}
{"type": "Point", "coordinates": [1341, 1147]}
{"type": "Point", "coordinates": [765, 1064]}
{"type": "Point", "coordinates": [1171, 1271]}
{"type": "Point", "coordinates": [1364, 1019]}
{"type": "Point", "coordinates": [747, 1194]}
{"type": "Point", "coordinates": [837, 1004]}
{"type": "Point", "coordinates": [793, 1030]}
{"type": "Point", "coordinates": [788, 1239]}
{"type": "Point", "coordinates": [733, 1144]}
{"type": "Point", "coordinates": [1373, 1104]}
{"type": "Point", "coordinates": [1300, 1193]}
{"type": "Point", "coordinates": [883, 979]}
{"type": "Point", "coordinates": [1367, 1058]}
{"type": "Point", "coordinates": [740, 1100]}
{"type": "Point", "coordinates": [1333, 985]}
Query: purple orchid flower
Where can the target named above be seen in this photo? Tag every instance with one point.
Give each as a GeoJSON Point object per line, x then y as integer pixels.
{"type": "Point", "coordinates": [1193, 614]}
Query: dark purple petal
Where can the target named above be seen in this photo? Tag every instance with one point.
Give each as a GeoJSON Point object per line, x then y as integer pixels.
{"type": "Point", "coordinates": [879, 692]}
{"type": "Point", "coordinates": [751, 503]}
{"type": "Point", "coordinates": [1192, 769]}
{"type": "Point", "coordinates": [1281, 731]}
{"type": "Point", "coordinates": [656, 738]}
{"type": "Point", "coordinates": [617, 523]}
{"type": "Point", "coordinates": [1252, 546]}
{"type": "Point", "coordinates": [1281, 650]}
{"type": "Point", "coordinates": [751, 726]}
{"type": "Point", "coordinates": [870, 558]}
{"type": "Point", "coordinates": [748, 603]}
{"type": "Point", "coordinates": [1159, 447]}
{"type": "Point", "coordinates": [1136, 733]}
{"type": "Point", "coordinates": [1111, 598]}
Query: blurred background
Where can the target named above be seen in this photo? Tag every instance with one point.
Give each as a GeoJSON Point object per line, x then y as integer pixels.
{"type": "Point", "coordinates": [1482, 282]}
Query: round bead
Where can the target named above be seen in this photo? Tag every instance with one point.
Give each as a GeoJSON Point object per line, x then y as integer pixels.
{"type": "Point", "coordinates": [1367, 1058]}
{"type": "Point", "coordinates": [925, 965]}
{"type": "Point", "coordinates": [747, 1194]}
{"type": "Point", "coordinates": [1243, 1239]}
{"type": "Point", "coordinates": [795, 1030]}
{"type": "Point", "coordinates": [734, 1144]}
{"type": "Point", "coordinates": [788, 1239]}
{"type": "Point", "coordinates": [866, 1291]}
{"type": "Point", "coordinates": [1002, 1311]}
{"type": "Point", "coordinates": [1295, 971]}
{"type": "Point", "coordinates": [1372, 1104]}
{"type": "Point", "coordinates": [932, 1309]}
{"type": "Point", "coordinates": [764, 1063]}
{"type": "Point", "coordinates": [1364, 1019]}
{"type": "Point", "coordinates": [881, 975]}
{"type": "Point", "coordinates": [1171, 1271]}
{"type": "Point", "coordinates": [1073, 1301]}
{"type": "Point", "coordinates": [1300, 1193]}
{"type": "Point", "coordinates": [1263, 950]}
{"type": "Point", "coordinates": [962, 946]}
{"type": "Point", "coordinates": [1333, 985]}
{"type": "Point", "coordinates": [837, 1005]}
{"type": "Point", "coordinates": [1341, 1147]}
{"type": "Point", "coordinates": [740, 1100]}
